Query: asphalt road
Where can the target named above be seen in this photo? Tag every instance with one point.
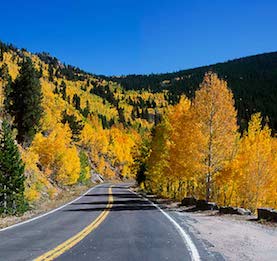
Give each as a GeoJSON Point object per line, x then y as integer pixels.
{"type": "Point", "coordinates": [105, 224]}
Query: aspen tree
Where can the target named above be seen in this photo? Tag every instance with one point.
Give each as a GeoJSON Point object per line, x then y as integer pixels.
{"type": "Point", "coordinates": [216, 115]}
{"type": "Point", "coordinates": [254, 168]}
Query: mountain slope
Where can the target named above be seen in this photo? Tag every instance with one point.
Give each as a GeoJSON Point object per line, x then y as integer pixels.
{"type": "Point", "coordinates": [89, 125]}
{"type": "Point", "coordinates": [252, 79]}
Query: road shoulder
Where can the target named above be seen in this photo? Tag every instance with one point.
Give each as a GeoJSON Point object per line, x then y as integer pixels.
{"type": "Point", "coordinates": [225, 237]}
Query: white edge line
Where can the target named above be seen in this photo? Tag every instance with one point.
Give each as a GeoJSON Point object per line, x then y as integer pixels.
{"type": "Point", "coordinates": [188, 241]}
{"type": "Point", "coordinates": [47, 213]}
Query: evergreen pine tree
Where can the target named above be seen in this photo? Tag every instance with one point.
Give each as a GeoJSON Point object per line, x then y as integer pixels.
{"type": "Point", "coordinates": [26, 97]}
{"type": "Point", "coordinates": [76, 101]}
{"type": "Point", "coordinates": [86, 110]}
{"type": "Point", "coordinates": [56, 90]}
{"type": "Point", "coordinates": [75, 125]}
{"type": "Point", "coordinates": [7, 86]}
{"type": "Point", "coordinates": [63, 90]}
{"type": "Point", "coordinates": [50, 73]}
{"type": "Point", "coordinates": [1, 54]}
{"type": "Point", "coordinates": [12, 177]}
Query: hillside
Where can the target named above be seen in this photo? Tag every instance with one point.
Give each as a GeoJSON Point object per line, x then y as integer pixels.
{"type": "Point", "coordinates": [252, 79]}
{"type": "Point", "coordinates": [88, 125]}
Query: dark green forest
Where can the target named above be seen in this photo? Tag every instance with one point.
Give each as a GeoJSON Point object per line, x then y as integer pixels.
{"type": "Point", "coordinates": [252, 79]}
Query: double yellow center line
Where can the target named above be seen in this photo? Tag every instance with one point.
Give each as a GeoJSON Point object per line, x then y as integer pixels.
{"type": "Point", "coordinates": [63, 247]}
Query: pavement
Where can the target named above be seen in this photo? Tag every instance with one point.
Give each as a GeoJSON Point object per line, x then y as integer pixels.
{"type": "Point", "coordinates": [110, 222]}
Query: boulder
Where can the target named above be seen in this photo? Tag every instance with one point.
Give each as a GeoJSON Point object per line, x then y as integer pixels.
{"type": "Point", "coordinates": [274, 215]}
{"type": "Point", "coordinates": [227, 210]}
{"type": "Point", "coordinates": [267, 214]}
{"type": "Point", "coordinates": [234, 211]}
{"type": "Point", "coordinates": [243, 211]}
{"type": "Point", "coordinates": [202, 204]}
{"type": "Point", "coordinates": [264, 213]}
{"type": "Point", "coordinates": [188, 201]}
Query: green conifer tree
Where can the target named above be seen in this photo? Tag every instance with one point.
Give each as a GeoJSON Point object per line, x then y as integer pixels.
{"type": "Point", "coordinates": [7, 87]}
{"type": "Point", "coordinates": [63, 90]}
{"type": "Point", "coordinates": [75, 125]}
{"type": "Point", "coordinates": [26, 97]}
{"type": "Point", "coordinates": [12, 177]}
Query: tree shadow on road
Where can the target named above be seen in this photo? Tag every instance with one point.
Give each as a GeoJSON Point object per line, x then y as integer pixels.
{"type": "Point", "coordinates": [121, 202]}
{"type": "Point", "coordinates": [119, 195]}
{"type": "Point", "coordinates": [115, 208]}
{"type": "Point", "coordinates": [115, 202]}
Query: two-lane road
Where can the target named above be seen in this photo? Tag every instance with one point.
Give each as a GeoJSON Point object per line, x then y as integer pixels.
{"type": "Point", "coordinates": [108, 223]}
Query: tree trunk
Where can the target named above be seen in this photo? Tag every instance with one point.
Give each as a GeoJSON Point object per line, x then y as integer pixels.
{"type": "Point", "coordinates": [208, 186]}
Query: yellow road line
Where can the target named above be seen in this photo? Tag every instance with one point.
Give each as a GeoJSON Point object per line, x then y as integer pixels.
{"type": "Point", "coordinates": [63, 247]}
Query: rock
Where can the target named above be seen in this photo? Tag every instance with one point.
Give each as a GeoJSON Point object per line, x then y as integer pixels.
{"type": "Point", "coordinates": [243, 211]}
{"type": "Point", "coordinates": [267, 214]}
{"type": "Point", "coordinates": [227, 210]}
{"type": "Point", "coordinates": [189, 201]}
{"type": "Point", "coordinates": [264, 213]}
{"type": "Point", "coordinates": [96, 178]}
{"type": "Point", "coordinates": [234, 211]}
{"type": "Point", "coordinates": [202, 204]}
{"type": "Point", "coordinates": [274, 215]}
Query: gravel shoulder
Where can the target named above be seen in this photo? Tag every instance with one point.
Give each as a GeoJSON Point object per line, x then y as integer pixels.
{"type": "Point", "coordinates": [234, 237]}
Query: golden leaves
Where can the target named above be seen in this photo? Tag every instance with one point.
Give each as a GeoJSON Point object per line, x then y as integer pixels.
{"type": "Point", "coordinates": [197, 151]}
{"type": "Point", "coordinates": [58, 155]}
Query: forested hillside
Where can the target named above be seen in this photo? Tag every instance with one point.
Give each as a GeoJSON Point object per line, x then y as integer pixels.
{"type": "Point", "coordinates": [68, 125]}
{"type": "Point", "coordinates": [252, 79]}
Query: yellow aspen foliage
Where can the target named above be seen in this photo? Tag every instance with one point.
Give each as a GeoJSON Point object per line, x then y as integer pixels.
{"type": "Point", "coordinates": [87, 136]}
{"type": "Point", "coordinates": [120, 150]}
{"type": "Point", "coordinates": [175, 162]}
{"type": "Point", "coordinates": [13, 65]}
{"type": "Point", "coordinates": [31, 193]}
{"type": "Point", "coordinates": [109, 173]}
{"type": "Point", "coordinates": [156, 181]}
{"type": "Point", "coordinates": [254, 169]}
{"type": "Point", "coordinates": [101, 165]}
{"type": "Point", "coordinates": [216, 115]}
{"type": "Point", "coordinates": [95, 139]}
{"type": "Point", "coordinates": [184, 150]}
{"type": "Point", "coordinates": [58, 157]}
{"type": "Point", "coordinates": [87, 172]}
{"type": "Point", "coordinates": [68, 167]}
{"type": "Point", "coordinates": [36, 182]}
{"type": "Point", "coordinates": [196, 151]}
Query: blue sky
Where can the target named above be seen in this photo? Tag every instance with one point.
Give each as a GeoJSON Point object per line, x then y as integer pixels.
{"type": "Point", "coordinates": [122, 37]}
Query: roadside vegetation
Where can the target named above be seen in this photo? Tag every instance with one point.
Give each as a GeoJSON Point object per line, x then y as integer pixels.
{"type": "Point", "coordinates": [197, 151]}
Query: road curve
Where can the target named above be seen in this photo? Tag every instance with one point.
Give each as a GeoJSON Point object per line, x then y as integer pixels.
{"type": "Point", "coordinates": [105, 224]}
